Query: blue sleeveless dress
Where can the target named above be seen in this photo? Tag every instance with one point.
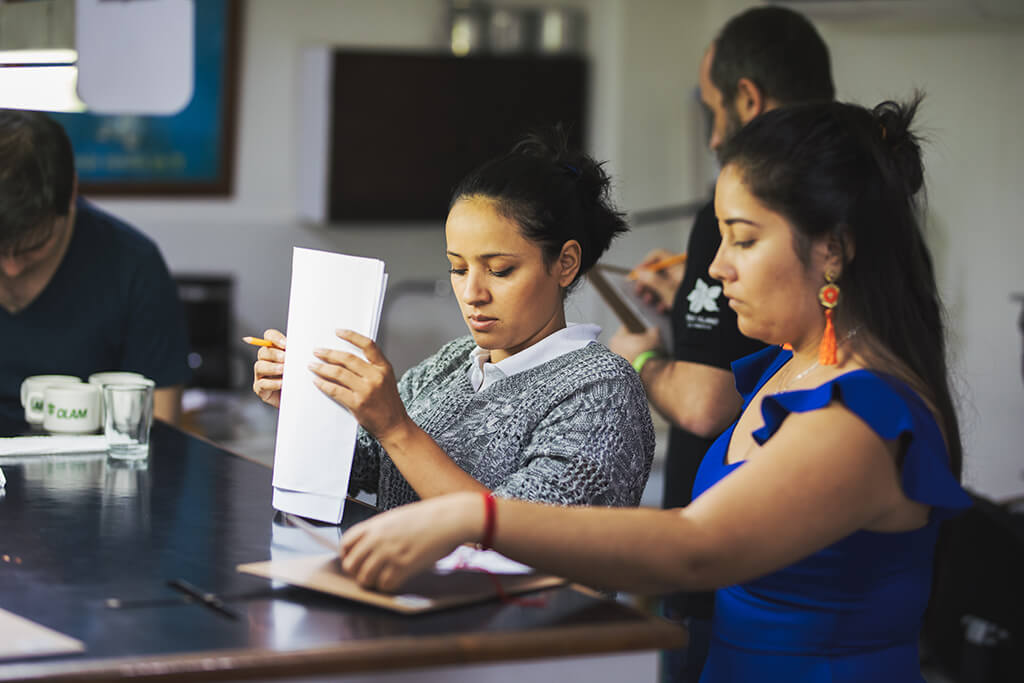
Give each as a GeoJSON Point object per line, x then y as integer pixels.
{"type": "Point", "coordinates": [851, 612]}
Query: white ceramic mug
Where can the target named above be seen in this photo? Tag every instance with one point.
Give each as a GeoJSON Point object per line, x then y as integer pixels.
{"type": "Point", "coordinates": [72, 408]}
{"type": "Point", "coordinates": [101, 379]}
{"type": "Point", "coordinates": [32, 394]}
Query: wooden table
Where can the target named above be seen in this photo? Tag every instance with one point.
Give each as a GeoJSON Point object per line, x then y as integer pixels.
{"type": "Point", "coordinates": [78, 531]}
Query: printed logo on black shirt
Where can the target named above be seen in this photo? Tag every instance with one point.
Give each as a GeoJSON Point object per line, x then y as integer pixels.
{"type": "Point", "coordinates": [703, 298]}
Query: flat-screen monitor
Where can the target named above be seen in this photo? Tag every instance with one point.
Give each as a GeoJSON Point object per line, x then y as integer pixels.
{"type": "Point", "coordinates": [405, 127]}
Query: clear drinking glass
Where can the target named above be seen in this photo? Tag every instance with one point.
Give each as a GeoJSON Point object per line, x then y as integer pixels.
{"type": "Point", "coordinates": [128, 415]}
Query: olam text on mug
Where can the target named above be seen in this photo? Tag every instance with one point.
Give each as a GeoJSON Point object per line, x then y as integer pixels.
{"type": "Point", "coordinates": [71, 408]}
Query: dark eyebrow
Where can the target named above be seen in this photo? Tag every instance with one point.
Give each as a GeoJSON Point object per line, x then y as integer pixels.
{"type": "Point", "coordinates": [483, 256]}
{"type": "Point", "coordinates": [731, 221]}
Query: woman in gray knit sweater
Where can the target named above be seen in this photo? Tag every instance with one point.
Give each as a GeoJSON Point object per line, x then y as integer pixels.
{"type": "Point", "coordinates": [526, 406]}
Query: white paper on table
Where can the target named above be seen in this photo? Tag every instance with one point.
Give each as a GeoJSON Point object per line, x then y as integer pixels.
{"type": "Point", "coordinates": [316, 436]}
{"type": "Point", "coordinates": [52, 445]}
{"type": "Point", "coordinates": [20, 637]}
{"type": "Point", "coordinates": [490, 561]}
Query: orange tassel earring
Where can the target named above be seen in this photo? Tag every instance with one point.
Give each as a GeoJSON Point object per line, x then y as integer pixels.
{"type": "Point", "coordinates": [828, 295]}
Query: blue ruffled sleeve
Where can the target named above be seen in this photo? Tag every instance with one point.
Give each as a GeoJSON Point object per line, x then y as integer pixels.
{"type": "Point", "coordinates": [893, 411]}
{"type": "Point", "coordinates": [754, 370]}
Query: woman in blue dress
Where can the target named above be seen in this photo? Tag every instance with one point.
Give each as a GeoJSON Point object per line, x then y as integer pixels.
{"type": "Point", "coordinates": [816, 514]}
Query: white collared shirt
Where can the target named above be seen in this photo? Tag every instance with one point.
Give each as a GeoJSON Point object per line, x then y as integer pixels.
{"type": "Point", "coordinates": [483, 373]}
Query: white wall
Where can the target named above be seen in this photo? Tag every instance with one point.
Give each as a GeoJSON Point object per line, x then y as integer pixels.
{"type": "Point", "coordinates": [644, 59]}
{"type": "Point", "coordinates": [974, 163]}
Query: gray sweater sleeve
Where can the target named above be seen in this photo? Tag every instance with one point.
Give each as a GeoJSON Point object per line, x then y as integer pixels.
{"type": "Point", "coordinates": [593, 448]}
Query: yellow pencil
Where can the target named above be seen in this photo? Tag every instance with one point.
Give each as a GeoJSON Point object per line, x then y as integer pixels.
{"type": "Point", "coordinates": [659, 265]}
{"type": "Point", "coordinates": [257, 341]}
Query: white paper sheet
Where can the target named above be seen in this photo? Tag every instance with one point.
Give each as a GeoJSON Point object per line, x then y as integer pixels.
{"type": "Point", "coordinates": [316, 436]}
{"type": "Point", "coordinates": [52, 445]}
{"type": "Point", "coordinates": [20, 637]}
{"type": "Point", "coordinates": [467, 557]}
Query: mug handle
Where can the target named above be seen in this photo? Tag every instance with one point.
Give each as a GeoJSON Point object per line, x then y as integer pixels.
{"type": "Point", "coordinates": [31, 413]}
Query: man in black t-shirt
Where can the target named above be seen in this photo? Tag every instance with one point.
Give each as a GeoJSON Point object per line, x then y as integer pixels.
{"type": "Point", "coordinates": [763, 58]}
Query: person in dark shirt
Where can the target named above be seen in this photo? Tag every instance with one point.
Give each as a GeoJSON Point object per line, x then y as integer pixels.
{"type": "Point", "coordinates": [762, 59]}
{"type": "Point", "coordinates": [80, 291]}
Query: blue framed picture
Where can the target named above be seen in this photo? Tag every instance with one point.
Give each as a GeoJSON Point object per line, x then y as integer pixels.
{"type": "Point", "coordinates": [191, 152]}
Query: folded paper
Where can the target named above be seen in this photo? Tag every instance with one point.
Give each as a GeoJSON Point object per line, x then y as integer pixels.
{"type": "Point", "coordinates": [316, 436]}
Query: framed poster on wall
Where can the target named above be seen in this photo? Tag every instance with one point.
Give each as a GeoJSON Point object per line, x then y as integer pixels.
{"type": "Point", "coordinates": [187, 153]}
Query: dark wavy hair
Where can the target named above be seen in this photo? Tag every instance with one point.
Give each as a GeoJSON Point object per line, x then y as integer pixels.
{"type": "Point", "coordinates": [37, 175]}
{"type": "Point", "coordinates": [553, 193]}
{"type": "Point", "coordinates": [853, 174]}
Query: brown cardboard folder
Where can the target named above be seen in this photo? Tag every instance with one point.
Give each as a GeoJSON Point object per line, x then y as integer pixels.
{"type": "Point", "coordinates": [426, 592]}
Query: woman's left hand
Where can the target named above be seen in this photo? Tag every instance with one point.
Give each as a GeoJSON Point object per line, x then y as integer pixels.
{"type": "Point", "coordinates": [366, 387]}
{"type": "Point", "coordinates": [386, 550]}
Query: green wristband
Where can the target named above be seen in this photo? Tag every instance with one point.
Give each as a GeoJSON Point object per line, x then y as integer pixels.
{"type": "Point", "coordinates": [641, 360]}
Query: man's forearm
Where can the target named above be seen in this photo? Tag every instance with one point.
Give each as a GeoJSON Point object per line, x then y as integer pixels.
{"type": "Point", "coordinates": [698, 398]}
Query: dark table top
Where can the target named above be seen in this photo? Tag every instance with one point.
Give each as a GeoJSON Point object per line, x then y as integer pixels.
{"type": "Point", "coordinates": [80, 531]}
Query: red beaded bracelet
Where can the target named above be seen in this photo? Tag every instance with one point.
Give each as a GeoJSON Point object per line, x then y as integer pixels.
{"type": "Point", "coordinates": [490, 519]}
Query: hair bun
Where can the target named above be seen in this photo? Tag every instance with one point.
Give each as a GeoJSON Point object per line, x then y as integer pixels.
{"type": "Point", "coordinates": [551, 144]}
{"type": "Point", "coordinates": [586, 179]}
{"type": "Point", "coordinates": [901, 144]}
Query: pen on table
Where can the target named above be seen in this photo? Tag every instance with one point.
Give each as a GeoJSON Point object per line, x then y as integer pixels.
{"type": "Point", "coordinates": [659, 265]}
{"type": "Point", "coordinates": [208, 599]}
{"type": "Point", "coordinates": [257, 341]}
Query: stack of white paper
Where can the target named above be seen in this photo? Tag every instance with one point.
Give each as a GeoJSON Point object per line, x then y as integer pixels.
{"type": "Point", "coordinates": [316, 436]}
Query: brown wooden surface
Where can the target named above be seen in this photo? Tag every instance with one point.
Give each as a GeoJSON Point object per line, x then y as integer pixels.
{"type": "Point", "coordinates": [355, 657]}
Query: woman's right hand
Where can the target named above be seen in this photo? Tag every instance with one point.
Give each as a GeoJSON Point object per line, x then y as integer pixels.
{"type": "Point", "coordinates": [269, 369]}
